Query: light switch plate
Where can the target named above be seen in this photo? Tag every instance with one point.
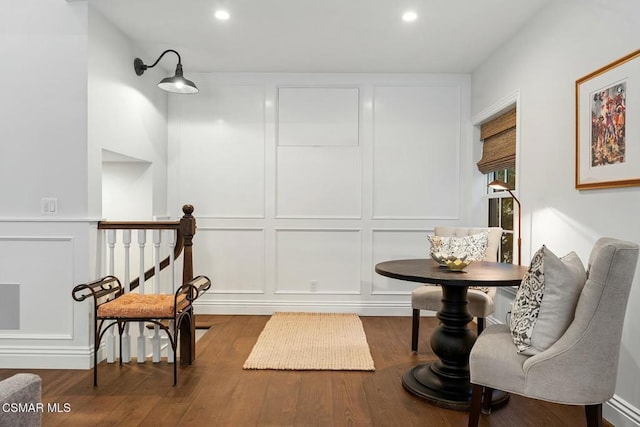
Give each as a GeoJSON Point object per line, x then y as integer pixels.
{"type": "Point", "coordinates": [49, 206]}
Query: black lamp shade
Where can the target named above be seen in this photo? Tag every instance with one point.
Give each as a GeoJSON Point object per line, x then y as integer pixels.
{"type": "Point", "coordinates": [177, 84]}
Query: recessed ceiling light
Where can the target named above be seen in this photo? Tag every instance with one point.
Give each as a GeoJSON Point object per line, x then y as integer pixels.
{"type": "Point", "coordinates": [409, 16]}
{"type": "Point", "coordinates": [222, 15]}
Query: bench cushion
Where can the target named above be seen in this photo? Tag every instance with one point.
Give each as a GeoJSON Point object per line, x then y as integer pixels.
{"type": "Point", "coordinates": [134, 305]}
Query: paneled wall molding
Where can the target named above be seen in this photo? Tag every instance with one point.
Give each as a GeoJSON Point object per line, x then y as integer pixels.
{"type": "Point", "coordinates": [38, 263]}
{"type": "Point", "coordinates": [37, 238]}
{"type": "Point", "coordinates": [395, 293]}
{"type": "Point", "coordinates": [267, 307]}
{"type": "Point", "coordinates": [46, 357]}
{"type": "Point", "coordinates": [35, 337]}
{"type": "Point", "coordinates": [621, 413]}
{"type": "Point", "coordinates": [318, 260]}
{"type": "Point", "coordinates": [396, 243]}
{"type": "Point", "coordinates": [418, 218]}
{"type": "Point", "coordinates": [318, 217]}
{"type": "Point", "coordinates": [229, 228]}
{"type": "Point", "coordinates": [319, 228]}
{"type": "Point", "coordinates": [246, 245]}
{"type": "Point", "coordinates": [416, 151]}
{"type": "Point", "coordinates": [239, 217]}
{"type": "Point", "coordinates": [256, 152]}
{"type": "Point", "coordinates": [213, 291]}
{"type": "Point", "coordinates": [311, 293]}
{"type": "Point", "coordinates": [52, 220]}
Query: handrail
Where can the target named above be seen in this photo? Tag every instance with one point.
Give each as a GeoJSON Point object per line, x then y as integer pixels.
{"type": "Point", "coordinates": [185, 229]}
{"type": "Point", "coordinates": [138, 225]}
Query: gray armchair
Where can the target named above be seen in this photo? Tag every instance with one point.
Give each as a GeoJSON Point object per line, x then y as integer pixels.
{"type": "Point", "coordinates": [429, 297]}
{"type": "Point", "coordinates": [20, 389]}
{"type": "Point", "coordinates": [580, 368]}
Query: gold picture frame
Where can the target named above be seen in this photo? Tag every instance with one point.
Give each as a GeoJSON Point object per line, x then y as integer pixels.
{"type": "Point", "coordinates": [607, 132]}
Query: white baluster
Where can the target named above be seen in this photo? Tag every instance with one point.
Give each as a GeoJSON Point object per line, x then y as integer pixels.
{"type": "Point", "coordinates": [142, 240]}
{"type": "Point", "coordinates": [155, 340]}
{"type": "Point", "coordinates": [126, 338]}
{"type": "Point", "coordinates": [111, 338]}
{"type": "Point", "coordinates": [172, 289]}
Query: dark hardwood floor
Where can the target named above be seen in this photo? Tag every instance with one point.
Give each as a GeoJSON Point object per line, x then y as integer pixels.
{"type": "Point", "coordinates": [216, 391]}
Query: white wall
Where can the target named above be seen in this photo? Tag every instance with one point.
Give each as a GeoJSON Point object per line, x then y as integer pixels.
{"type": "Point", "coordinates": [566, 41]}
{"type": "Point", "coordinates": [43, 151]}
{"type": "Point", "coordinates": [44, 47]}
{"type": "Point", "coordinates": [302, 183]}
{"type": "Point", "coordinates": [77, 94]}
{"type": "Point", "coordinates": [127, 114]}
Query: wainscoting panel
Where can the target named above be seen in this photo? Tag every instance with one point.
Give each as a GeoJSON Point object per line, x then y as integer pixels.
{"type": "Point", "coordinates": [233, 258]}
{"type": "Point", "coordinates": [416, 152]}
{"type": "Point", "coordinates": [319, 182]}
{"type": "Point", "coordinates": [221, 146]}
{"type": "Point", "coordinates": [318, 116]}
{"type": "Point", "coordinates": [301, 183]}
{"type": "Point", "coordinates": [318, 261]}
{"type": "Point", "coordinates": [397, 244]}
{"type": "Point", "coordinates": [49, 271]}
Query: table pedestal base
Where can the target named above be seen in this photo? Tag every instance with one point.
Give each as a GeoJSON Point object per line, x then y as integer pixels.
{"type": "Point", "coordinates": [423, 382]}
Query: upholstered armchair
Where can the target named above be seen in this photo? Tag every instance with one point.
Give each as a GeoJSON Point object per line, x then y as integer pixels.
{"type": "Point", "coordinates": [481, 304]}
{"type": "Point", "coordinates": [580, 367]}
{"type": "Point", "coordinates": [25, 390]}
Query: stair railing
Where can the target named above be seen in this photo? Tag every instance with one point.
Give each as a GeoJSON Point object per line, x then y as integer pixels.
{"type": "Point", "coordinates": [177, 238]}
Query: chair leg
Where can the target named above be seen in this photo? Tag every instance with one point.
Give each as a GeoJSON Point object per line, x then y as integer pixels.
{"type": "Point", "coordinates": [414, 330]}
{"type": "Point", "coordinates": [476, 402]}
{"type": "Point", "coordinates": [120, 331]}
{"type": "Point", "coordinates": [594, 415]}
{"type": "Point", "coordinates": [96, 346]}
{"type": "Point", "coordinates": [487, 396]}
{"type": "Point", "coordinates": [187, 337]}
{"type": "Point", "coordinates": [481, 324]}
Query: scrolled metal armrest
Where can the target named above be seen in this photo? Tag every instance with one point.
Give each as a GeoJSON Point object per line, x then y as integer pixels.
{"type": "Point", "coordinates": [194, 288]}
{"type": "Point", "coordinates": [98, 288]}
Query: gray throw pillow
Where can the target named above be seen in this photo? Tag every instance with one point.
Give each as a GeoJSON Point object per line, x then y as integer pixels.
{"type": "Point", "coordinates": [546, 300]}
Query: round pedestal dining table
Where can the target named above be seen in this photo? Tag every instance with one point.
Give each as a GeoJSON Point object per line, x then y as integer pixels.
{"type": "Point", "coordinates": [445, 382]}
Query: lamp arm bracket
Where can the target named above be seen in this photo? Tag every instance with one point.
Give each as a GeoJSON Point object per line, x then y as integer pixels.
{"type": "Point", "coordinates": [141, 67]}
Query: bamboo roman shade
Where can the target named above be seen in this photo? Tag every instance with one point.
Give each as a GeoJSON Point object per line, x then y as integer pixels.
{"type": "Point", "coordinates": [498, 143]}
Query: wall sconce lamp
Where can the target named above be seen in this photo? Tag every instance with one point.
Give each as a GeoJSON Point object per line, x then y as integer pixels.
{"type": "Point", "coordinates": [500, 185]}
{"type": "Point", "coordinates": [175, 84]}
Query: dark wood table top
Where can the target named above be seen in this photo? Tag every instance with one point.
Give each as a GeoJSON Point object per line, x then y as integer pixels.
{"type": "Point", "coordinates": [480, 273]}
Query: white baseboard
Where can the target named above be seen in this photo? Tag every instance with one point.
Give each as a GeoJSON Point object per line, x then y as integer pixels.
{"type": "Point", "coordinates": [261, 307]}
{"type": "Point", "coordinates": [66, 357]}
{"type": "Point", "coordinates": [621, 413]}
{"type": "Point", "coordinates": [40, 357]}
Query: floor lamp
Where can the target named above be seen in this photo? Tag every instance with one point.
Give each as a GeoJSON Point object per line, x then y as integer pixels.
{"type": "Point", "coordinates": [501, 185]}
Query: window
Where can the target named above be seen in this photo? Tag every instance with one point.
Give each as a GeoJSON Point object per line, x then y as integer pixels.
{"type": "Point", "coordinates": [498, 162]}
{"type": "Point", "coordinates": [501, 209]}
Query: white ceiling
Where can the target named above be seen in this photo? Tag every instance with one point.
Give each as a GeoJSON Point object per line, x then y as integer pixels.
{"type": "Point", "coordinates": [449, 36]}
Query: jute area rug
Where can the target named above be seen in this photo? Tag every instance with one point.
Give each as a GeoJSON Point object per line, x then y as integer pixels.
{"type": "Point", "coordinates": [312, 341]}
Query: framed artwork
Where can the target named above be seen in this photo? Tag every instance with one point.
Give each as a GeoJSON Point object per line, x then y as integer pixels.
{"type": "Point", "coordinates": [608, 125]}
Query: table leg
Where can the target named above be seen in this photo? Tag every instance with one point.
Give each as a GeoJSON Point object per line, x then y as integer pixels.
{"type": "Point", "coordinates": [445, 382]}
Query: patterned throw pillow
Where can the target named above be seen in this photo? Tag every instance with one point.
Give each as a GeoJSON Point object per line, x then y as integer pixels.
{"type": "Point", "coordinates": [474, 247]}
{"type": "Point", "coordinates": [546, 300]}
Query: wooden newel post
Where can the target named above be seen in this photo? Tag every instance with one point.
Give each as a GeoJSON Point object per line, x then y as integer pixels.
{"type": "Point", "coordinates": [188, 229]}
{"type": "Point", "coordinates": [188, 328]}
